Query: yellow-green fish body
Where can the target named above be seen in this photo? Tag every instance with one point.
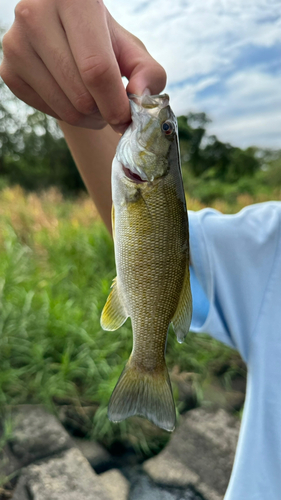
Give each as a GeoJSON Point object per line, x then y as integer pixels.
{"type": "Point", "coordinates": [150, 229]}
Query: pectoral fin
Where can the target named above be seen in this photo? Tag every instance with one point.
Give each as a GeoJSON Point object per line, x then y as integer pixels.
{"type": "Point", "coordinates": [113, 314]}
{"type": "Point", "coordinates": [182, 318]}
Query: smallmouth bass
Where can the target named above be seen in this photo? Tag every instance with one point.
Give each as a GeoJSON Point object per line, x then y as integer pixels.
{"type": "Point", "coordinates": [151, 244]}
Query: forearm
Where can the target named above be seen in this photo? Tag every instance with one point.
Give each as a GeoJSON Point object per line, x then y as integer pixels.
{"type": "Point", "coordinates": [93, 152]}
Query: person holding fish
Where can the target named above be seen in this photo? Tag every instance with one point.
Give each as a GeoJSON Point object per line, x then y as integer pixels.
{"type": "Point", "coordinates": [67, 60]}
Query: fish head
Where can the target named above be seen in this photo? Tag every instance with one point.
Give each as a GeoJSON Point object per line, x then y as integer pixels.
{"type": "Point", "coordinates": [144, 148]}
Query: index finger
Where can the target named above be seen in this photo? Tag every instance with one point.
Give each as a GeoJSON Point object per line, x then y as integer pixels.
{"type": "Point", "coordinates": [89, 39]}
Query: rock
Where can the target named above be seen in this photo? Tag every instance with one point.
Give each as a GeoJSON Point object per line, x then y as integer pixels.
{"type": "Point", "coordinates": [185, 385]}
{"type": "Point", "coordinates": [116, 484]}
{"type": "Point", "coordinates": [20, 492]}
{"type": "Point", "coordinates": [68, 476]}
{"type": "Point", "coordinates": [37, 434]}
{"type": "Point", "coordinates": [220, 427]}
{"type": "Point", "coordinates": [165, 471]}
{"type": "Point", "coordinates": [95, 453]}
{"type": "Point", "coordinates": [215, 396]}
{"type": "Point", "coordinates": [200, 453]}
{"type": "Point", "coordinates": [9, 464]}
{"type": "Point", "coordinates": [239, 383]}
{"type": "Point", "coordinates": [145, 489]}
{"type": "Point", "coordinates": [76, 419]}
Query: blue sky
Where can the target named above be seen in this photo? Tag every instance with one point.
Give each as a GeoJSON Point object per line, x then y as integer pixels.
{"type": "Point", "coordinates": [221, 57]}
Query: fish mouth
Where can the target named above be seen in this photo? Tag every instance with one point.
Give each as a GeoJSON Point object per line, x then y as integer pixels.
{"type": "Point", "coordinates": [133, 176]}
{"type": "Point", "coordinates": [158, 101]}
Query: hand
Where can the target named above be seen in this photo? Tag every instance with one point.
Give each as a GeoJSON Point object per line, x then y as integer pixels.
{"type": "Point", "coordinates": [66, 58]}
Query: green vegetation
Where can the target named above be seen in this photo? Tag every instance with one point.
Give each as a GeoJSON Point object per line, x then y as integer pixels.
{"type": "Point", "coordinates": [57, 264]}
{"type": "Point", "coordinates": [56, 268]}
{"type": "Point", "coordinates": [213, 170]}
{"type": "Point", "coordinates": [34, 155]}
{"type": "Point", "coordinates": [6, 427]}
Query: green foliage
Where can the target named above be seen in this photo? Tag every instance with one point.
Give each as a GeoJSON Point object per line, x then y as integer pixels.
{"type": "Point", "coordinates": [6, 435]}
{"type": "Point", "coordinates": [216, 170]}
{"type": "Point", "coordinates": [33, 152]}
{"type": "Point", "coordinates": [271, 175]}
{"type": "Point", "coordinates": [9, 129]}
{"type": "Point", "coordinates": [210, 158]}
{"type": "Point", "coordinates": [51, 340]}
{"type": "Point", "coordinates": [56, 268]}
{"type": "Point", "coordinates": [44, 160]}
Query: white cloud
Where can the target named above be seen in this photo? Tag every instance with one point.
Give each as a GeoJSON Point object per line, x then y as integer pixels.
{"type": "Point", "coordinates": [198, 37]}
{"type": "Point", "coordinates": [204, 39]}
{"type": "Point", "coordinates": [249, 113]}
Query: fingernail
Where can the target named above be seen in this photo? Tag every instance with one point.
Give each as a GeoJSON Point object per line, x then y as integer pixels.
{"type": "Point", "coordinates": [146, 92]}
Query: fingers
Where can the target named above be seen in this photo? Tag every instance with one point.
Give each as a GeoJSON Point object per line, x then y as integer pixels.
{"type": "Point", "coordinates": [27, 94]}
{"type": "Point", "coordinates": [35, 85]}
{"type": "Point", "coordinates": [33, 72]}
{"type": "Point", "coordinates": [89, 39]}
{"type": "Point", "coordinates": [135, 62]}
{"type": "Point", "coordinates": [53, 48]}
{"type": "Point", "coordinates": [67, 60]}
{"type": "Point", "coordinates": [24, 92]}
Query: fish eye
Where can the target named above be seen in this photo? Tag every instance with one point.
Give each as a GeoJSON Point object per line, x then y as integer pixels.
{"type": "Point", "coordinates": [167, 127]}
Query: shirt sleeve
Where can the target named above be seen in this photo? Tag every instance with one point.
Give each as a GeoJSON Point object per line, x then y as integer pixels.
{"type": "Point", "coordinates": [232, 258]}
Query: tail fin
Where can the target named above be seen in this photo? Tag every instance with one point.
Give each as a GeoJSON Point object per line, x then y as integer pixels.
{"type": "Point", "coordinates": [146, 394]}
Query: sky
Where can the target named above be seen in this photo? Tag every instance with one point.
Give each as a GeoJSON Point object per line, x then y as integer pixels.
{"type": "Point", "coordinates": [222, 57]}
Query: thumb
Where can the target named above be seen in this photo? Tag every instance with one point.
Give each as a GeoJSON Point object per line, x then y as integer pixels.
{"type": "Point", "coordinates": [146, 75]}
{"type": "Point", "coordinates": [135, 62]}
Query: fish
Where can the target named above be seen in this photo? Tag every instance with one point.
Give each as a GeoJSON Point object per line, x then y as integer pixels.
{"type": "Point", "coordinates": [151, 246]}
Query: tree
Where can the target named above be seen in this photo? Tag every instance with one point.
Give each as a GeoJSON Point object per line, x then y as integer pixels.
{"type": "Point", "coordinates": [209, 157]}
{"type": "Point", "coordinates": [45, 159]}
{"type": "Point", "coordinates": [33, 152]}
{"type": "Point", "coordinates": [9, 124]}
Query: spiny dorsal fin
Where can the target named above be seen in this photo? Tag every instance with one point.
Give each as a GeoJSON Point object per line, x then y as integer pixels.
{"type": "Point", "coordinates": [113, 314]}
{"type": "Point", "coordinates": [143, 393]}
{"type": "Point", "coordinates": [182, 317]}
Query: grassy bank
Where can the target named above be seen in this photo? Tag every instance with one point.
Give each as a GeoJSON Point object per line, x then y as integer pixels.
{"type": "Point", "coordinates": [56, 268]}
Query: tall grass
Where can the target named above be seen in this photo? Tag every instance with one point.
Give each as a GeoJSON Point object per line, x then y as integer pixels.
{"type": "Point", "coordinates": [56, 268]}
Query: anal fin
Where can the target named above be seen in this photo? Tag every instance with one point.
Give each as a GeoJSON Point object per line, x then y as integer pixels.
{"type": "Point", "coordinates": [182, 317]}
{"type": "Point", "coordinates": [113, 314]}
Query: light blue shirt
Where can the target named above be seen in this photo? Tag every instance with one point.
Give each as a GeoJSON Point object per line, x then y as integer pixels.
{"type": "Point", "coordinates": [236, 286]}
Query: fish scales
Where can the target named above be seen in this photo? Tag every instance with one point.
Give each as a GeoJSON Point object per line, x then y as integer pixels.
{"type": "Point", "coordinates": [150, 229]}
{"type": "Point", "coordinates": [149, 271]}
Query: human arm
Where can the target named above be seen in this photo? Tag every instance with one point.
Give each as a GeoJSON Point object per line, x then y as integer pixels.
{"type": "Point", "coordinates": [233, 258]}
{"type": "Point", "coordinates": [93, 152]}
